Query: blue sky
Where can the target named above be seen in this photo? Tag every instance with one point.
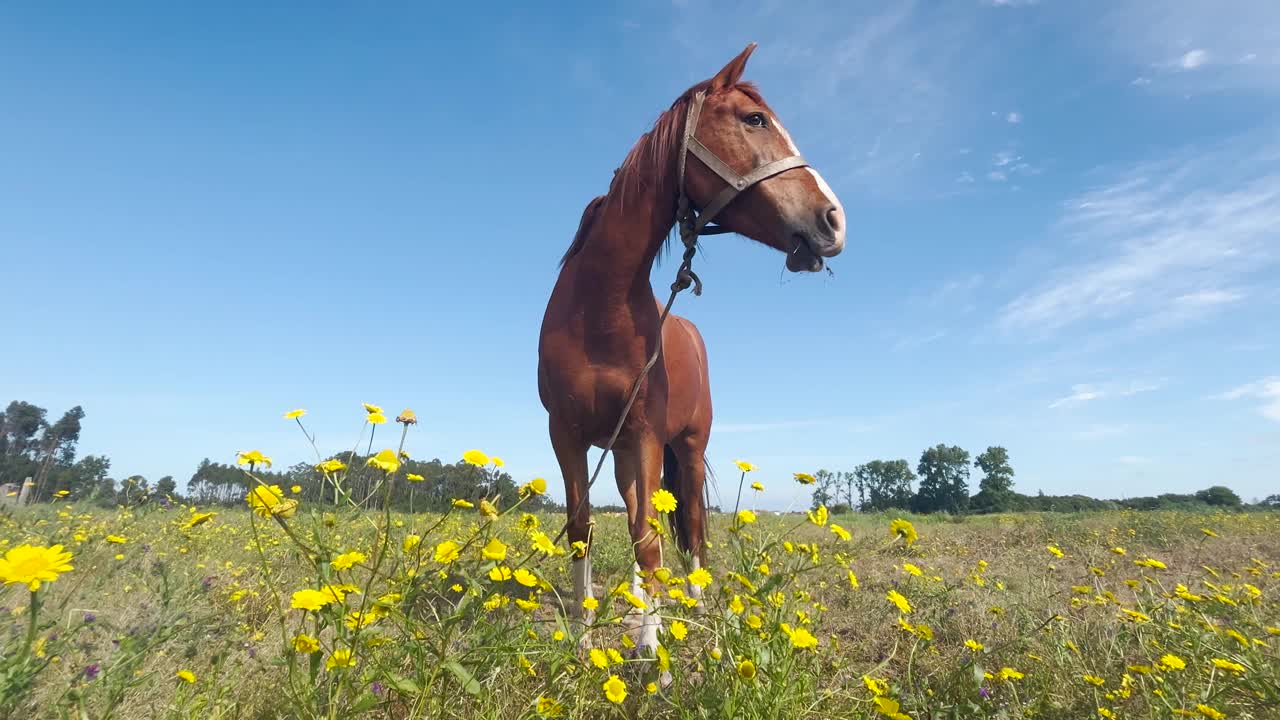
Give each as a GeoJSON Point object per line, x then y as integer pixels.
{"type": "Point", "coordinates": [1064, 228]}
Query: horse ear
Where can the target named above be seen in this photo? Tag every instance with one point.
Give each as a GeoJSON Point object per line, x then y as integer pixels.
{"type": "Point", "coordinates": [730, 74]}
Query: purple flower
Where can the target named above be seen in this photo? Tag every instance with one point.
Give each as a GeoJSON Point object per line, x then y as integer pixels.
{"type": "Point", "coordinates": [91, 671]}
{"type": "Point", "coordinates": [376, 687]}
{"type": "Point", "coordinates": [984, 693]}
{"type": "Point", "coordinates": [90, 617]}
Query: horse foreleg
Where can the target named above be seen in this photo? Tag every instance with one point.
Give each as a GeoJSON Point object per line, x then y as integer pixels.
{"type": "Point", "coordinates": [639, 473]}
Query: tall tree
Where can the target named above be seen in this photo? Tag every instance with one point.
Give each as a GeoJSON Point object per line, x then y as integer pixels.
{"type": "Point", "coordinates": [823, 488]}
{"type": "Point", "coordinates": [995, 490]}
{"type": "Point", "coordinates": [886, 484]}
{"type": "Point", "coordinates": [166, 486]}
{"type": "Point", "coordinates": [944, 480]}
{"type": "Point", "coordinates": [58, 444]}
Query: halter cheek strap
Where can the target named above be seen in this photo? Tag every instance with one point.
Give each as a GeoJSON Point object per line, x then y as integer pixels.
{"type": "Point", "coordinates": [692, 225]}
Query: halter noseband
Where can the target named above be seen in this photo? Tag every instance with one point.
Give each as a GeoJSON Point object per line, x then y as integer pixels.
{"type": "Point", "coordinates": [692, 225]}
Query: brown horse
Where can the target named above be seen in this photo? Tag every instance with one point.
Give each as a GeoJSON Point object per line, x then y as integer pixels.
{"type": "Point", "coordinates": [719, 149]}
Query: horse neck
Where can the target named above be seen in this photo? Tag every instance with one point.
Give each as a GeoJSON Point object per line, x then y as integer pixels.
{"type": "Point", "coordinates": [624, 242]}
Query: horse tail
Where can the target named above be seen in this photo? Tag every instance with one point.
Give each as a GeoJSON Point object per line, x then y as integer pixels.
{"type": "Point", "coordinates": [671, 482]}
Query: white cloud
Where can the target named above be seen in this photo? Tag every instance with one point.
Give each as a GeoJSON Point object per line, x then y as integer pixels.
{"type": "Point", "coordinates": [997, 176]}
{"type": "Point", "coordinates": [1209, 297]}
{"type": "Point", "coordinates": [1014, 118]}
{"type": "Point", "coordinates": [1193, 59]}
{"type": "Point", "coordinates": [1079, 394]}
{"type": "Point", "coordinates": [1267, 390]}
{"type": "Point", "coordinates": [1085, 392]}
{"type": "Point", "coordinates": [1194, 45]}
{"type": "Point", "coordinates": [1159, 244]}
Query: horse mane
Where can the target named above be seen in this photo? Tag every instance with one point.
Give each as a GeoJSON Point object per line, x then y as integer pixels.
{"type": "Point", "coordinates": [584, 226]}
{"type": "Point", "coordinates": [650, 159]}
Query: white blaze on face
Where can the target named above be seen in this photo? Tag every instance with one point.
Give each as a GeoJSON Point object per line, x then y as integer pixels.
{"type": "Point", "coordinates": [817, 177]}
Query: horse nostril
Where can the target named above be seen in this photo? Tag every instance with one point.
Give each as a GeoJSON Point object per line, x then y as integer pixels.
{"type": "Point", "coordinates": [835, 218]}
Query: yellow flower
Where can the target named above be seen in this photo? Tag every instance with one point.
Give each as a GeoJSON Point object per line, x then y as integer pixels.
{"type": "Point", "coordinates": [331, 466]}
{"type": "Point", "coordinates": [840, 532]}
{"type": "Point", "coordinates": [663, 501]}
{"type": "Point", "coordinates": [1009, 674]}
{"type": "Point", "coordinates": [1093, 680]}
{"type": "Point", "coordinates": [974, 645]}
{"type": "Point", "coordinates": [746, 668]}
{"type": "Point", "coordinates": [853, 580]}
{"type": "Point", "coordinates": [475, 457]}
{"type": "Point", "coordinates": [407, 417]}
{"type": "Point", "coordinates": [186, 676]}
{"type": "Point", "coordinates": [1228, 665]}
{"type": "Point", "coordinates": [548, 707]}
{"type": "Point", "coordinates": [294, 414]}
{"type": "Point", "coordinates": [536, 486]}
{"type": "Point", "coordinates": [198, 518]}
{"type": "Point", "coordinates": [800, 637]}
{"type": "Point", "coordinates": [488, 510]}
{"type": "Point", "coordinates": [1172, 662]}
{"type": "Point", "coordinates": [1135, 616]}
{"type": "Point", "coordinates": [305, 644]}
{"type": "Point", "coordinates": [911, 569]}
{"type": "Point", "coordinates": [348, 560]}
{"type": "Point", "coordinates": [590, 603]}
{"type": "Point", "coordinates": [805, 478]}
{"type": "Point", "coordinates": [500, 573]}
{"type": "Point", "coordinates": [615, 690]}
{"type": "Point", "coordinates": [62, 493]}
{"type": "Point", "coordinates": [1118, 550]}
{"type": "Point", "coordinates": [525, 577]}
{"type": "Point", "coordinates": [1054, 550]}
{"type": "Point", "coordinates": [819, 517]}
{"type": "Point", "coordinates": [340, 659]}
{"type": "Point", "coordinates": [295, 489]}
{"type": "Point", "coordinates": [904, 529]}
{"type": "Point", "coordinates": [376, 418]}
{"type": "Point", "coordinates": [1210, 713]}
{"type": "Point", "coordinates": [1208, 532]}
{"type": "Point", "coordinates": [414, 477]}
{"type": "Point", "coordinates": [700, 577]}
{"type": "Point", "coordinates": [897, 598]}
{"type": "Point", "coordinates": [1151, 563]}
{"type": "Point", "coordinates": [890, 708]}
{"type": "Point", "coordinates": [447, 552]}
{"type": "Point", "coordinates": [1105, 713]}
{"type": "Point", "coordinates": [32, 565]}
{"type": "Point", "coordinates": [746, 517]}
{"type": "Point", "coordinates": [495, 550]}
{"type": "Point", "coordinates": [251, 458]}
{"type": "Point", "coordinates": [116, 539]}
{"type": "Point", "coordinates": [877, 687]}
{"type": "Point", "coordinates": [664, 658]}
{"type": "Point", "coordinates": [464, 504]}
{"type": "Point", "coordinates": [757, 486]}
{"type": "Point", "coordinates": [311, 599]}
{"type": "Point", "coordinates": [411, 541]}
{"type": "Point", "coordinates": [543, 544]}
{"type": "Point", "coordinates": [599, 659]}
{"type": "Point", "coordinates": [744, 466]}
{"type": "Point", "coordinates": [269, 501]}
{"type": "Point", "coordinates": [679, 630]}
{"type": "Point", "coordinates": [386, 460]}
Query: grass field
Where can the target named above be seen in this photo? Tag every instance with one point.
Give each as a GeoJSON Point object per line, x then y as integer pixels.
{"type": "Point", "coordinates": [301, 611]}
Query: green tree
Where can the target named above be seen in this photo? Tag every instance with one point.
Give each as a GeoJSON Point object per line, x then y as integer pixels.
{"type": "Point", "coordinates": [166, 486]}
{"type": "Point", "coordinates": [824, 489]}
{"type": "Point", "coordinates": [995, 490]}
{"type": "Point", "coordinates": [944, 480]}
{"type": "Point", "coordinates": [1219, 496]}
{"type": "Point", "coordinates": [884, 484]}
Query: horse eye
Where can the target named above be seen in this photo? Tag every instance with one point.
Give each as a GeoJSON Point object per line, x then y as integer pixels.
{"type": "Point", "coordinates": [756, 120]}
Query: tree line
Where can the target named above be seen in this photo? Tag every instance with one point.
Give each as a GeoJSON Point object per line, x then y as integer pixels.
{"type": "Point", "coordinates": [940, 483]}
{"type": "Point", "coordinates": [45, 452]}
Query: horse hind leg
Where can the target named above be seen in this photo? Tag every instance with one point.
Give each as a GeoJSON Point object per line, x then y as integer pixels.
{"type": "Point", "coordinates": [571, 453]}
{"type": "Point", "coordinates": [684, 474]}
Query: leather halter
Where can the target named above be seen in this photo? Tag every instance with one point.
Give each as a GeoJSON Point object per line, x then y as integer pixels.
{"type": "Point", "coordinates": [692, 225]}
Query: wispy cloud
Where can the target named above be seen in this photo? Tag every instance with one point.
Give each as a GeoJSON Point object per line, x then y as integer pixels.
{"type": "Point", "coordinates": [1267, 390]}
{"type": "Point", "coordinates": [1079, 394]}
{"type": "Point", "coordinates": [1162, 243]}
{"type": "Point", "coordinates": [1013, 118]}
{"type": "Point", "coordinates": [1086, 392]}
{"type": "Point", "coordinates": [1185, 46]}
